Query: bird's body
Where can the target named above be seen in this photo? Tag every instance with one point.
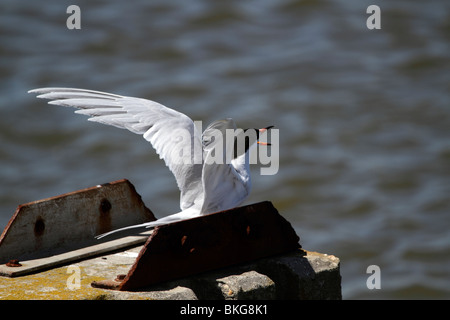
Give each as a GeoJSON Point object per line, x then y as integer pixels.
{"type": "Point", "coordinates": [205, 186]}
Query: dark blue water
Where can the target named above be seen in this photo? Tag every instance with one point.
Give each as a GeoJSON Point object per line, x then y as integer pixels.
{"type": "Point", "coordinates": [364, 115]}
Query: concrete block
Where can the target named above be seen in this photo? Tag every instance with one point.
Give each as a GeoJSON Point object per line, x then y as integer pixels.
{"type": "Point", "coordinates": [297, 275]}
{"type": "Point", "coordinates": [177, 293]}
{"type": "Point", "coordinates": [303, 275]}
{"type": "Point", "coordinates": [300, 275]}
{"type": "Point", "coordinates": [249, 285]}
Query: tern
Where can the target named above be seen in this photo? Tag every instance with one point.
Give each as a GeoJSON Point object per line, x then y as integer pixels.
{"type": "Point", "coordinates": [205, 186]}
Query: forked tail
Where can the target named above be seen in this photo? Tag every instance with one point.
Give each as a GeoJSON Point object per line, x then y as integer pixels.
{"type": "Point", "coordinates": [165, 220]}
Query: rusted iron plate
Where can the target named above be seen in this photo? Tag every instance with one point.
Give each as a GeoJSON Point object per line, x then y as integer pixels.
{"type": "Point", "coordinates": [70, 221]}
{"type": "Point", "coordinates": [209, 242]}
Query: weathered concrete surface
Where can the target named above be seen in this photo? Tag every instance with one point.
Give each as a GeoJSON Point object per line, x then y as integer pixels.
{"type": "Point", "coordinates": [312, 276]}
{"type": "Point", "coordinates": [249, 285]}
{"type": "Point", "coordinates": [298, 275]}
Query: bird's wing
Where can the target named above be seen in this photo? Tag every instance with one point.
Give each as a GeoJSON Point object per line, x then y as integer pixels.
{"type": "Point", "coordinates": [223, 186]}
{"type": "Point", "coordinates": [172, 134]}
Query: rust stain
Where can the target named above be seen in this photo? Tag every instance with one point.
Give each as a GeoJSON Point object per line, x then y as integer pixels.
{"type": "Point", "coordinates": [120, 277]}
{"type": "Point", "coordinates": [183, 240]}
{"type": "Point", "coordinates": [105, 284]}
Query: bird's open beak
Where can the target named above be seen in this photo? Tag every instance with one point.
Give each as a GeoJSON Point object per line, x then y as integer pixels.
{"type": "Point", "coordinates": [261, 131]}
{"type": "Point", "coordinates": [265, 129]}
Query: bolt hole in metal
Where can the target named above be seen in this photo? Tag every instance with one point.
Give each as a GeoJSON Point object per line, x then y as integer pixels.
{"type": "Point", "coordinates": [39, 227]}
{"type": "Point", "coordinates": [104, 222]}
{"type": "Point", "coordinates": [105, 206]}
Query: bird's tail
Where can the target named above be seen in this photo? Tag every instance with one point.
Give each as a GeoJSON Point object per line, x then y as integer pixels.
{"type": "Point", "coordinates": [165, 220]}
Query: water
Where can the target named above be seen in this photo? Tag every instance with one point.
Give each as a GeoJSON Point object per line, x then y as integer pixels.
{"type": "Point", "coordinates": [364, 115]}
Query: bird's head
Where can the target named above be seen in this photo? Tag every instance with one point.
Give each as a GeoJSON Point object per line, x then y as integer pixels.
{"type": "Point", "coordinates": [247, 138]}
{"type": "Point", "coordinates": [258, 131]}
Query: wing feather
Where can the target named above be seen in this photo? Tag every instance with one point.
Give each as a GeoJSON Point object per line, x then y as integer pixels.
{"type": "Point", "coordinates": [172, 134]}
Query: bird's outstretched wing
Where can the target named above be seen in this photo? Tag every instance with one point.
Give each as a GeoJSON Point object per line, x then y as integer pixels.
{"type": "Point", "coordinates": [172, 134]}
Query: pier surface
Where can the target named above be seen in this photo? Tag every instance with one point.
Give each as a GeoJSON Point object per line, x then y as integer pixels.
{"type": "Point", "coordinates": [298, 275]}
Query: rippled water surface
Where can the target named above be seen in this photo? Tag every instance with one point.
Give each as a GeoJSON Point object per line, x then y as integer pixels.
{"type": "Point", "coordinates": [364, 115]}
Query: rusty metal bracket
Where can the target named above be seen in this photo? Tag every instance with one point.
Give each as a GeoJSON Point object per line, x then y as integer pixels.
{"type": "Point", "coordinates": [61, 229]}
{"type": "Point", "coordinates": [208, 242]}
